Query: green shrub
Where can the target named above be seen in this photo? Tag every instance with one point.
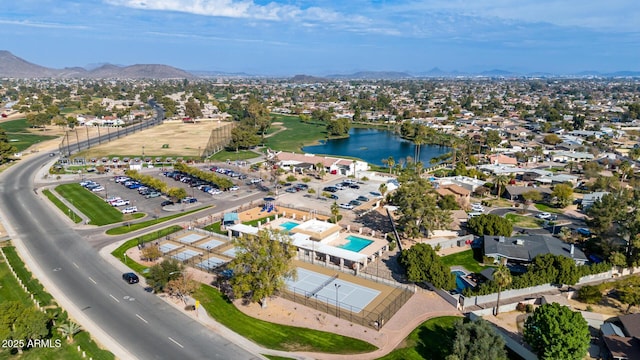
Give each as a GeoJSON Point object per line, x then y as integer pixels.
{"type": "Point", "coordinates": [490, 224]}
{"type": "Point", "coordinates": [590, 294]}
{"type": "Point", "coordinates": [529, 308]}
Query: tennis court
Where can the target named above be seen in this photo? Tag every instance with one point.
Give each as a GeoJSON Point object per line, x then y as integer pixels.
{"type": "Point", "coordinates": [210, 244]}
{"type": "Point", "coordinates": [186, 255]}
{"type": "Point", "coordinates": [349, 296]}
{"type": "Point", "coordinates": [211, 263]}
{"type": "Point", "coordinates": [190, 239]}
{"type": "Point", "coordinates": [165, 248]}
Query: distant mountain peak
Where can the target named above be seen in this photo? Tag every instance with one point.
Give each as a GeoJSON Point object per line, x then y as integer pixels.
{"type": "Point", "coordinates": [15, 67]}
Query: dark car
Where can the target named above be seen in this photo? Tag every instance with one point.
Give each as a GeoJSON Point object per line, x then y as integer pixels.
{"type": "Point", "coordinates": [166, 203]}
{"type": "Point", "coordinates": [330, 189]}
{"type": "Point", "coordinates": [130, 277]}
{"type": "Point", "coordinates": [333, 196]}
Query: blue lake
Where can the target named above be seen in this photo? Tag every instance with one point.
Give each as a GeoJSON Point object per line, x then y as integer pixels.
{"type": "Point", "coordinates": [373, 145]}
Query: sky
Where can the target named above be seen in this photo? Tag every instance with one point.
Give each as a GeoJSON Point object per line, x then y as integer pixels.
{"type": "Point", "coordinates": [324, 37]}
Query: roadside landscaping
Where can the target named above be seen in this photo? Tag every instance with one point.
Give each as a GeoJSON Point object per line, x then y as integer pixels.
{"type": "Point", "coordinates": [10, 290]}
{"type": "Point", "coordinates": [433, 339]}
{"type": "Point", "coordinates": [124, 229]}
{"type": "Point", "coordinates": [275, 336]}
{"type": "Point", "coordinates": [97, 210]}
{"type": "Point", "coordinates": [60, 205]}
{"type": "Point", "coordinates": [225, 155]}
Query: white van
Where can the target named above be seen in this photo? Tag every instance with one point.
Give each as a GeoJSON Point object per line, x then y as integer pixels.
{"type": "Point", "coordinates": [474, 214]}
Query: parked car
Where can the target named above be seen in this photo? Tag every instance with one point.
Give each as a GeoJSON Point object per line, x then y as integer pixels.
{"type": "Point", "coordinates": [333, 197]}
{"type": "Point", "coordinates": [376, 194]}
{"type": "Point", "coordinates": [346, 206]}
{"type": "Point", "coordinates": [354, 186]}
{"type": "Point", "coordinates": [362, 198]}
{"type": "Point", "coordinates": [121, 202]}
{"type": "Point", "coordinates": [130, 210]}
{"type": "Point", "coordinates": [583, 231]}
{"type": "Point", "coordinates": [189, 200]}
{"type": "Point", "coordinates": [355, 203]}
{"type": "Point", "coordinates": [131, 278]}
{"type": "Point", "coordinates": [153, 194]}
{"type": "Point", "coordinates": [331, 189]}
{"type": "Point", "coordinates": [477, 207]}
{"type": "Point", "coordinates": [339, 186]}
{"type": "Point", "coordinates": [97, 188]}
{"type": "Point", "coordinates": [166, 203]}
{"type": "Point", "coordinates": [214, 191]}
{"type": "Point", "coordinates": [234, 188]}
{"type": "Point", "coordinates": [544, 215]}
{"type": "Point", "coordinates": [291, 190]}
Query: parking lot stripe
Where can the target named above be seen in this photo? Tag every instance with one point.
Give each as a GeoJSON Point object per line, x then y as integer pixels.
{"type": "Point", "coordinates": [93, 281]}
{"type": "Point", "coordinates": [76, 265]}
{"type": "Point", "coordinates": [141, 318]}
{"type": "Point", "coordinates": [175, 342]}
{"type": "Point", "coordinates": [114, 298]}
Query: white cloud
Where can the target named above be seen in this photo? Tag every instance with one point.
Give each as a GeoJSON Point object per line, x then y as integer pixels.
{"type": "Point", "coordinates": [42, 24]}
{"type": "Point", "coordinates": [214, 38]}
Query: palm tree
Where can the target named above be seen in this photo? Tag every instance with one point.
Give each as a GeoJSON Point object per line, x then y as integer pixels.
{"type": "Point", "coordinates": [500, 181]}
{"type": "Point", "coordinates": [69, 329]}
{"type": "Point", "coordinates": [382, 188]}
{"type": "Point", "coordinates": [391, 162]}
{"type": "Point", "coordinates": [502, 278]}
{"type": "Point", "coordinates": [335, 212]}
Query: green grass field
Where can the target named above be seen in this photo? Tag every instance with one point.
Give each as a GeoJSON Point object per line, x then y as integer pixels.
{"type": "Point", "coordinates": [433, 339]}
{"type": "Point", "coordinates": [296, 135]}
{"type": "Point", "coordinates": [60, 205]}
{"type": "Point", "coordinates": [32, 284]}
{"type": "Point", "coordinates": [143, 224]}
{"type": "Point", "coordinates": [232, 155]}
{"type": "Point", "coordinates": [275, 336]}
{"type": "Point", "coordinates": [528, 222]}
{"type": "Point", "coordinates": [547, 208]}
{"type": "Point", "coordinates": [465, 259]}
{"type": "Point", "coordinates": [97, 210]}
{"type": "Point", "coordinates": [10, 290]}
{"type": "Point", "coordinates": [19, 135]}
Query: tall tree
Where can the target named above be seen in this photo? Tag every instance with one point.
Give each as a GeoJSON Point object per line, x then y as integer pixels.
{"type": "Point", "coordinates": [160, 274]}
{"type": "Point", "coordinates": [477, 340]}
{"type": "Point", "coordinates": [262, 263]}
{"type": "Point", "coordinates": [502, 278]}
{"type": "Point", "coordinates": [6, 149]}
{"type": "Point", "coordinates": [423, 264]}
{"type": "Point", "coordinates": [500, 182]}
{"type": "Point", "coordinates": [563, 194]}
{"type": "Point", "coordinates": [418, 207]}
{"type": "Point", "coordinates": [555, 332]}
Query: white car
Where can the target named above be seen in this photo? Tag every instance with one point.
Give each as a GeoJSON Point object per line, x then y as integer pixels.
{"type": "Point", "coordinates": [111, 199]}
{"type": "Point", "coordinates": [346, 206]}
{"type": "Point", "coordinates": [544, 215]}
{"type": "Point", "coordinates": [234, 188]}
{"type": "Point", "coordinates": [215, 192]}
{"type": "Point", "coordinates": [129, 210]}
{"type": "Point", "coordinates": [97, 189]}
{"type": "Point", "coordinates": [255, 181]}
{"type": "Point", "coordinates": [120, 202]}
{"type": "Point", "coordinates": [477, 208]}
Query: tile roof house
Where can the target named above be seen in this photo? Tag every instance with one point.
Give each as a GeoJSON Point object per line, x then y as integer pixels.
{"type": "Point", "coordinates": [500, 159]}
{"type": "Point", "coordinates": [462, 195]}
{"type": "Point", "coordinates": [524, 249]}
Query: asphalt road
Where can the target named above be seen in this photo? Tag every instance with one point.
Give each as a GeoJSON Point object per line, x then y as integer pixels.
{"type": "Point", "coordinates": [141, 323]}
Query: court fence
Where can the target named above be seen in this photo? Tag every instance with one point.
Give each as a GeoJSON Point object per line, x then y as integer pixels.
{"type": "Point", "coordinates": [374, 318]}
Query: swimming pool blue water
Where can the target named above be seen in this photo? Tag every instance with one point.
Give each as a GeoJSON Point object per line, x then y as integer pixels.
{"type": "Point", "coordinates": [355, 243]}
{"type": "Point", "coordinates": [289, 225]}
{"type": "Point", "coordinates": [461, 284]}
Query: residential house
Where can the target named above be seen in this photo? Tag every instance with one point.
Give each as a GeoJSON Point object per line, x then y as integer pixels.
{"type": "Point", "coordinates": [513, 192]}
{"type": "Point", "coordinates": [589, 199]}
{"type": "Point", "coordinates": [566, 156]}
{"type": "Point", "coordinates": [622, 344]}
{"type": "Point", "coordinates": [462, 195]}
{"type": "Point", "coordinates": [501, 159]}
{"type": "Point", "coordinates": [522, 250]}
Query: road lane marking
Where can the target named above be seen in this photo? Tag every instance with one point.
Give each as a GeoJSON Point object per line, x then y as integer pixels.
{"type": "Point", "coordinates": [175, 342]}
{"type": "Point", "coordinates": [114, 298]}
{"type": "Point", "coordinates": [93, 281]}
{"type": "Point", "coordinates": [76, 265]}
{"type": "Point", "coordinates": [141, 318]}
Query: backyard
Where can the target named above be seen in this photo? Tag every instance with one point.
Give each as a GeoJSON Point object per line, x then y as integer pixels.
{"type": "Point", "coordinates": [433, 339]}
{"type": "Point", "coordinates": [466, 259]}
{"type": "Point", "coordinates": [522, 221]}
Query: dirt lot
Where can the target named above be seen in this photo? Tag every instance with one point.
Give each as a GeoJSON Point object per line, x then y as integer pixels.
{"type": "Point", "coordinates": [182, 140]}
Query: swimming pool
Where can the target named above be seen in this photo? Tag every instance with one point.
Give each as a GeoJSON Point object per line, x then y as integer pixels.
{"type": "Point", "coordinates": [355, 243]}
{"type": "Point", "coordinates": [289, 225]}
{"type": "Point", "coordinates": [461, 283]}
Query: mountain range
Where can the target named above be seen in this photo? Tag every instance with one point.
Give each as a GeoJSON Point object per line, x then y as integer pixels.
{"type": "Point", "coordinates": [12, 66]}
